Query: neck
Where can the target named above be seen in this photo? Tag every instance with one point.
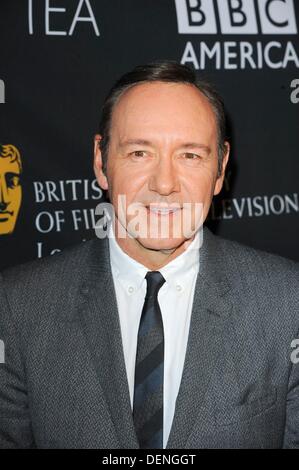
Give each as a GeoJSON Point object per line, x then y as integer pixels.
{"type": "Point", "coordinates": [153, 259]}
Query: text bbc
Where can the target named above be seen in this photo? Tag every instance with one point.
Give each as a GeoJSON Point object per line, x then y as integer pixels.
{"type": "Point", "coordinates": [236, 16]}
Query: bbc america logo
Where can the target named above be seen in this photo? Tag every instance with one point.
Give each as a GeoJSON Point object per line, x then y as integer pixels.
{"type": "Point", "coordinates": [236, 16]}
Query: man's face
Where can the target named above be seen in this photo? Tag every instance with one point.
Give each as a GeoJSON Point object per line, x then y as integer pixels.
{"type": "Point", "coordinates": [10, 195]}
{"type": "Point", "coordinates": [162, 152]}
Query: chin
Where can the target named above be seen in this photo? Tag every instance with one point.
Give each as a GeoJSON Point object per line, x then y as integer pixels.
{"type": "Point", "coordinates": [161, 243]}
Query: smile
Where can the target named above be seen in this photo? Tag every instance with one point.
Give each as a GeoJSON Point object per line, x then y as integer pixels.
{"type": "Point", "coordinates": [163, 210]}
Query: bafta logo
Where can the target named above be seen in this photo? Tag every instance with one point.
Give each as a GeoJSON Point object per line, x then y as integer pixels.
{"type": "Point", "coordinates": [10, 188]}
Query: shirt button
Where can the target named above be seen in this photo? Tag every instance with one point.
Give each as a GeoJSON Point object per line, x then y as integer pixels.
{"type": "Point", "coordinates": [178, 287]}
{"type": "Point", "coordinates": [131, 290]}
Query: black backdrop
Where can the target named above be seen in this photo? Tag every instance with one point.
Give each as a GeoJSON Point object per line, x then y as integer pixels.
{"type": "Point", "coordinates": [56, 67]}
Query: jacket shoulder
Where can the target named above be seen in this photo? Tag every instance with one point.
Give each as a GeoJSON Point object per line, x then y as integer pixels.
{"type": "Point", "coordinates": [259, 278]}
{"type": "Point", "coordinates": [50, 265]}
{"type": "Point", "coordinates": [253, 261]}
{"type": "Point", "coordinates": [47, 286]}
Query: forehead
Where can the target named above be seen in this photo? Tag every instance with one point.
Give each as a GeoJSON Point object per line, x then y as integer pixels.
{"type": "Point", "coordinates": [7, 166]}
{"type": "Point", "coordinates": [170, 108]}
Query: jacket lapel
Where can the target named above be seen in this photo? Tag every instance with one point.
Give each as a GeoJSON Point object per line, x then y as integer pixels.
{"type": "Point", "coordinates": [209, 314]}
{"type": "Point", "coordinates": [101, 327]}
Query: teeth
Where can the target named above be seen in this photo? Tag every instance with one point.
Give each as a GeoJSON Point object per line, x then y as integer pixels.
{"type": "Point", "coordinates": [162, 211]}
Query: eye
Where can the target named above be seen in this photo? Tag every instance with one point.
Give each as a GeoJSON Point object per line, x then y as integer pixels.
{"type": "Point", "coordinates": [139, 153]}
{"type": "Point", "coordinates": [192, 156]}
{"type": "Point", "coordinates": [12, 180]}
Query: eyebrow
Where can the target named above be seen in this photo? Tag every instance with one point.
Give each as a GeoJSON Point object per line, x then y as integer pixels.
{"type": "Point", "coordinates": [135, 142]}
{"type": "Point", "coordinates": [189, 145]}
{"type": "Point", "coordinates": [186, 145]}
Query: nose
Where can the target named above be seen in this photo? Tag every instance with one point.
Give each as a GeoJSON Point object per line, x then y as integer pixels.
{"type": "Point", "coordinates": [3, 194]}
{"type": "Point", "coordinates": [164, 179]}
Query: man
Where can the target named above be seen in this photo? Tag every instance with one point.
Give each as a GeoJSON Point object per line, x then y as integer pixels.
{"type": "Point", "coordinates": [145, 340]}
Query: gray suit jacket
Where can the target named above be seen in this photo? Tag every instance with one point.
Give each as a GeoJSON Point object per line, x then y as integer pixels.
{"type": "Point", "coordinates": [64, 384]}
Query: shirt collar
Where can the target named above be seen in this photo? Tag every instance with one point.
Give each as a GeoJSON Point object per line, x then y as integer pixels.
{"type": "Point", "coordinates": [176, 273]}
{"type": "Point", "coordinates": [128, 271]}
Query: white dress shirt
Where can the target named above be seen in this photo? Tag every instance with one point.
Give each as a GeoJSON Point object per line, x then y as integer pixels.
{"type": "Point", "coordinates": [175, 299]}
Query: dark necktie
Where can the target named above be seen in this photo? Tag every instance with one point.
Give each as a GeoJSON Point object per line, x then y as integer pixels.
{"type": "Point", "coordinates": [149, 369]}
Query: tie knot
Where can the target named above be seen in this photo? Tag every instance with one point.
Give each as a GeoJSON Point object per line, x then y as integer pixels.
{"type": "Point", "coordinates": [155, 281]}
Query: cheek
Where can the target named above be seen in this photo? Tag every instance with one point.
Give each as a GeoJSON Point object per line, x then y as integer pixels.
{"type": "Point", "coordinates": [200, 187]}
{"type": "Point", "coordinates": [15, 196]}
{"type": "Point", "coordinates": [125, 183]}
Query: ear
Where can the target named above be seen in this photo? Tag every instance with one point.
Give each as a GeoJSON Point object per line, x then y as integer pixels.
{"type": "Point", "coordinates": [98, 163]}
{"type": "Point", "coordinates": [220, 179]}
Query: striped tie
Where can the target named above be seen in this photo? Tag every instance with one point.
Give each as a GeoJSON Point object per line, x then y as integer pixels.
{"type": "Point", "coordinates": [149, 369]}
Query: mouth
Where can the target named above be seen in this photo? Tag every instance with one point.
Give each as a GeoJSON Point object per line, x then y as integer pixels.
{"type": "Point", "coordinates": [6, 213]}
{"type": "Point", "coordinates": [162, 210]}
